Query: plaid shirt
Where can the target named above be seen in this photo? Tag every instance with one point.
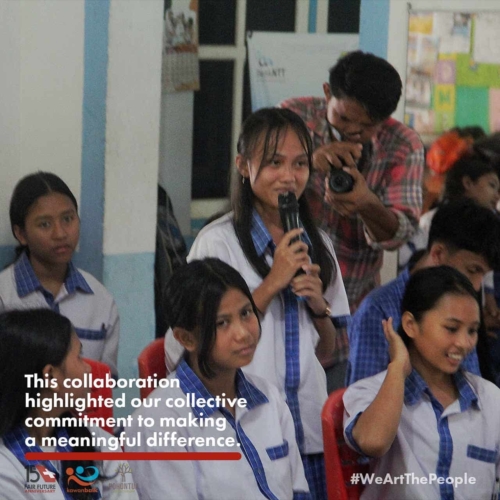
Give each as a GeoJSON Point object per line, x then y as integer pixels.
{"type": "Point", "coordinates": [393, 167]}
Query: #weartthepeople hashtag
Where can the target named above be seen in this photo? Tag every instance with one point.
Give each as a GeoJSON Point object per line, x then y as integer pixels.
{"type": "Point", "coordinates": [411, 478]}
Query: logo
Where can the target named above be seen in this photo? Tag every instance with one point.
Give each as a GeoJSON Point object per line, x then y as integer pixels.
{"type": "Point", "coordinates": [77, 476]}
{"type": "Point", "coordinates": [79, 479]}
{"type": "Point", "coordinates": [126, 483]}
{"type": "Point", "coordinates": [39, 480]}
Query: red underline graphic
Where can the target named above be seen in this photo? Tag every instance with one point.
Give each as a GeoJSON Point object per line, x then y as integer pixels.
{"type": "Point", "coordinates": [190, 455]}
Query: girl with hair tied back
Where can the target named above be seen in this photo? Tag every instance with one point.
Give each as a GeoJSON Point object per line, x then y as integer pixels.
{"type": "Point", "coordinates": [44, 220]}
{"type": "Point", "coordinates": [424, 421]}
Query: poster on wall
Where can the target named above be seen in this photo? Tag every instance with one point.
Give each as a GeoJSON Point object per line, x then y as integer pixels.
{"type": "Point", "coordinates": [284, 65]}
{"type": "Point", "coordinates": [453, 71]}
{"type": "Point", "coordinates": [180, 63]}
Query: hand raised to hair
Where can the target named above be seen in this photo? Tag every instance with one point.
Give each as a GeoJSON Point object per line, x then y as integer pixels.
{"type": "Point", "coordinates": [288, 259]}
{"type": "Point", "coordinates": [397, 349]}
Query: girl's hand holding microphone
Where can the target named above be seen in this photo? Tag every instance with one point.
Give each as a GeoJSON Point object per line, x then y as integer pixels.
{"type": "Point", "coordinates": [289, 257]}
{"type": "Point", "coordinates": [310, 286]}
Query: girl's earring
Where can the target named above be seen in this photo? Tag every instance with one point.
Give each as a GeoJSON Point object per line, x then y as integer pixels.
{"type": "Point", "coordinates": [243, 180]}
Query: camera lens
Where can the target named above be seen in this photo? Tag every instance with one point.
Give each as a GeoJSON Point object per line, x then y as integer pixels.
{"type": "Point", "coordinates": [340, 181]}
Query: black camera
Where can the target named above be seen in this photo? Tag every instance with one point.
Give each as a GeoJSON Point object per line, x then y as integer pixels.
{"type": "Point", "coordinates": [340, 181]}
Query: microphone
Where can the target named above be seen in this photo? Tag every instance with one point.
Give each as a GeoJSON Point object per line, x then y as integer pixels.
{"type": "Point", "coordinates": [289, 212]}
{"type": "Point", "coordinates": [288, 207]}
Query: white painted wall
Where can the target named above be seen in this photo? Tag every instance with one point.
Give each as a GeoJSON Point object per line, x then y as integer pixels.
{"type": "Point", "coordinates": [41, 56]}
{"type": "Point", "coordinates": [176, 153]}
{"type": "Point", "coordinates": [132, 126]}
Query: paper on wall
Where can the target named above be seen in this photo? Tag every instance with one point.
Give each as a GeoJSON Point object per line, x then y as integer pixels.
{"type": "Point", "coordinates": [423, 52]}
{"type": "Point", "coordinates": [421, 22]}
{"type": "Point", "coordinates": [487, 38]}
{"type": "Point", "coordinates": [453, 30]}
{"type": "Point", "coordinates": [494, 110]}
{"type": "Point", "coordinates": [283, 65]}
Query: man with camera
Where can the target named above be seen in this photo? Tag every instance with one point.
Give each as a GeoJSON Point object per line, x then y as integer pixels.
{"type": "Point", "coordinates": [378, 208]}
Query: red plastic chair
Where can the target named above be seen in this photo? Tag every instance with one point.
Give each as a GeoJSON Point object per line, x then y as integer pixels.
{"type": "Point", "coordinates": [340, 460]}
{"type": "Point", "coordinates": [152, 360]}
{"type": "Point", "coordinates": [99, 371]}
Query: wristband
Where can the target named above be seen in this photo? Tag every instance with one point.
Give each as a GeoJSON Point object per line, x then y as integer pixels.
{"type": "Point", "coordinates": [325, 314]}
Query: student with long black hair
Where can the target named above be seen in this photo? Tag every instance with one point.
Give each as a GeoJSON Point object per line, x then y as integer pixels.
{"type": "Point", "coordinates": [214, 317]}
{"type": "Point", "coordinates": [295, 282]}
{"type": "Point", "coordinates": [41, 342]}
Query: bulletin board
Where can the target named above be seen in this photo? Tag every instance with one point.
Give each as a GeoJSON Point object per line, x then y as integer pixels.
{"type": "Point", "coordinates": [453, 71]}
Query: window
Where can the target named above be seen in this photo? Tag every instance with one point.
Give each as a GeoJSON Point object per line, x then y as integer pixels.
{"type": "Point", "coordinates": [224, 99]}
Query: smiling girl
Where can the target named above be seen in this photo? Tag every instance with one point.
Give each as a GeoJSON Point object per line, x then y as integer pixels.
{"type": "Point", "coordinates": [424, 415]}
{"type": "Point", "coordinates": [44, 220]}
{"type": "Point", "coordinates": [296, 285]}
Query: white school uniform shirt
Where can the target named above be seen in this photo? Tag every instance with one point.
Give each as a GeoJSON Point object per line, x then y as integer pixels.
{"type": "Point", "coordinates": [82, 299]}
{"type": "Point", "coordinates": [219, 239]}
{"type": "Point", "coordinates": [418, 241]}
{"type": "Point", "coordinates": [464, 438]}
{"type": "Point", "coordinates": [13, 478]}
{"type": "Point", "coordinates": [270, 465]}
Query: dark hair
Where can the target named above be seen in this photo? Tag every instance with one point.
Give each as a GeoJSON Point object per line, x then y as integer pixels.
{"type": "Point", "coordinates": [489, 146]}
{"type": "Point", "coordinates": [193, 297]}
{"type": "Point", "coordinates": [426, 287]}
{"type": "Point", "coordinates": [30, 340]}
{"type": "Point", "coordinates": [369, 80]}
{"type": "Point", "coordinates": [475, 132]}
{"type": "Point", "coordinates": [27, 192]}
{"type": "Point", "coordinates": [465, 225]}
{"type": "Point", "coordinates": [269, 125]}
{"type": "Point", "coordinates": [473, 166]}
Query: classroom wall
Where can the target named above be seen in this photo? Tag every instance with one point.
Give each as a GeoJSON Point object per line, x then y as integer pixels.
{"type": "Point", "coordinates": [176, 153]}
{"type": "Point", "coordinates": [41, 104]}
{"type": "Point", "coordinates": [132, 146]}
{"type": "Point", "coordinates": [81, 98]}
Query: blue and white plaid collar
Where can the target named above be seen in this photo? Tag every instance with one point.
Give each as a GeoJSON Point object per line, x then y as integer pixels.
{"type": "Point", "coordinates": [415, 387]}
{"type": "Point", "coordinates": [15, 441]}
{"type": "Point", "coordinates": [27, 281]}
{"type": "Point", "coordinates": [262, 238]}
{"type": "Point", "coordinates": [191, 384]}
